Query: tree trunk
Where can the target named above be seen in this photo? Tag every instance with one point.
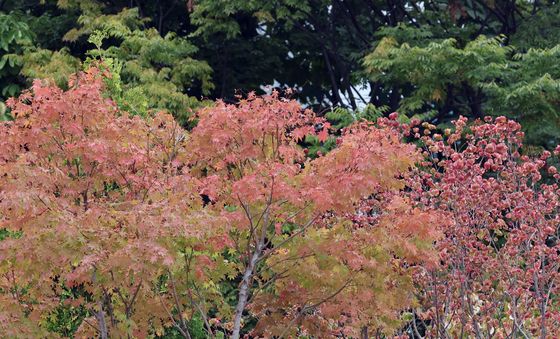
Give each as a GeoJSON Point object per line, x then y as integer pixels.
{"type": "Point", "coordinates": [100, 315]}
{"type": "Point", "coordinates": [244, 291]}
{"type": "Point", "coordinates": [364, 334]}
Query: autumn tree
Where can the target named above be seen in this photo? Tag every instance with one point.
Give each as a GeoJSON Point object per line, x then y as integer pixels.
{"type": "Point", "coordinates": [83, 192]}
{"type": "Point", "coordinates": [499, 273]}
{"type": "Point", "coordinates": [306, 265]}
{"type": "Point", "coordinates": [150, 226]}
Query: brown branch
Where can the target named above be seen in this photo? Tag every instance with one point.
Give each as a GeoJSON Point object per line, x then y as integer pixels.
{"type": "Point", "coordinates": [304, 309]}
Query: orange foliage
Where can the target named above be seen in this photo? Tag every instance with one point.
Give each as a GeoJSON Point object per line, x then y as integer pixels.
{"type": "Point", "coordinates": [149, 222]}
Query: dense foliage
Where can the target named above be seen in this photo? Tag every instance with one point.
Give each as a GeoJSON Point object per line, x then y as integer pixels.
{"type": "Point", "coordinates": [204, 168]}
{"type": "Point", "coordinates": [148, 227]}
{"type": "Point", "coordinates": [434, 60]}
{"type": "Point", "coordinates": [499, 274]}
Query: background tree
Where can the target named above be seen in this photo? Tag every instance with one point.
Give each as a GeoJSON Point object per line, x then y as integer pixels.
{"type": "Point", "coordinates": [318, 48]}
{"type": "Point", "coordinates": [14, 36]}
{"type": "Point", "coordinates": [484, 77]}
{"type": "Point", "coordinates": [148, 71]}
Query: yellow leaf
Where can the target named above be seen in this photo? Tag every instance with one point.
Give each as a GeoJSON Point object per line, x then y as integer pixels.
{"type": "Point", "coordinates": [437, 95]}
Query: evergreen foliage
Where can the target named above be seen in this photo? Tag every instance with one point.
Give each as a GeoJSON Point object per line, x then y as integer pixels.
{"type": "Point", "coordinates": [485, 77]}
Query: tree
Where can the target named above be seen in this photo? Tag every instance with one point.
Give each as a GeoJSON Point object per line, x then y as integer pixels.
{"type": "Point", "coordinates": [83, 187]}
{"type": "Point", "coordinates": [499, 273]}
{"type": "Point", "coordinates": [314, 46]}
{"type": "Point", "coordinates": [150, 71]}
{"type": "Point", "coordinates": [483, 77]}
{"type": "Point", "coordinates": [304, 263]}
{"type": "Point", "coordinates": [113, 214]}
{"type": "Point", "coordinates": [14, 36]}
{"type": "Point", "coordinates": [31, 31]}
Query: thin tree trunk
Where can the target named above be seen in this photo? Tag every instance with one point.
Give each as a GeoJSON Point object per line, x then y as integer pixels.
{"type": "Point", "coordinates": [250, 269]}
{"type": "Point", "coordinates": [364, 334]}
{"type": "Point", "coordinates": [244, 291]}
{"type": "Point", "coordinates": [336, 95]}
{"type": "Point", "coordinates": [100, 315]}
